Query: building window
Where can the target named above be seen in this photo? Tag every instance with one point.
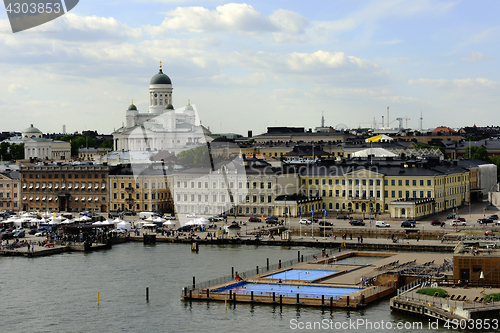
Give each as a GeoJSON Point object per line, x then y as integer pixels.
{"type": "Point", "coordinates": [114, 185]}
{"type": "Point", "coordinates": [269, 185]}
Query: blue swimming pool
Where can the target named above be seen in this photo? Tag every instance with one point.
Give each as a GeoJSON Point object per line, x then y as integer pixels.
{"type": "Point", "coordinates": [300, 274]}
{"type": "Point", "coordinates": [288, 290]}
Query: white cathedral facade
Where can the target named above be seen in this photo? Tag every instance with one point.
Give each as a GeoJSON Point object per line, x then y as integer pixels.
{"type": "Point", "coordinates": [163, 127]}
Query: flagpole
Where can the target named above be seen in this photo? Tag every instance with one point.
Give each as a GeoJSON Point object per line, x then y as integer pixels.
{"type": "Point", "coordinates": [324, 226]}
{"type": "Point", "coordinates": [312, 224]}
{"type": "Point", "coordinates": [300, 224]}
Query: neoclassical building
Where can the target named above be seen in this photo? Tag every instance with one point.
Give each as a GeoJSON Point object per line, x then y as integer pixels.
{"type": "Point", "coordinates": [35, 146]}
{"type": "Point", "coordinates": [163, 127]}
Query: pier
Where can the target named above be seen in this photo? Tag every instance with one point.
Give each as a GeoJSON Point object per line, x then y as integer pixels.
{"type": "Point", "coordinates": [323, 280]}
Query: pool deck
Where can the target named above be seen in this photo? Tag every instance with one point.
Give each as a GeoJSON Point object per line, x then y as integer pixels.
{"type": "Point", "coordinates": [373, 280]}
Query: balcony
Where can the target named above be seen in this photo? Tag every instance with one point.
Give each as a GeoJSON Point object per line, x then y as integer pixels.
{"type": "Point", "coordinates": [129, 189]}
{"type": "Point", "coordinates": [129, 200]}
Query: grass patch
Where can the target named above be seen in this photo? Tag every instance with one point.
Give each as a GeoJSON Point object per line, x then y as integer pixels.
{"type": "Point", "coordinates": [433, 291]}
{"type": "Point", "coordinates": [495, 297]}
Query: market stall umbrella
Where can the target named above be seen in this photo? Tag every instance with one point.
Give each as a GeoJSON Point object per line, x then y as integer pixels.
{"type": "Point", "coordinates": [58, 220]}
{"type": "Point", "coordinates": [85, 218]}
{"type": "Point", "coordinates": [159, 219]}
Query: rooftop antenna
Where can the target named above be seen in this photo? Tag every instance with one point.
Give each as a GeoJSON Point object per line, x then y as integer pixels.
{"type": "Point", "coordinates": [322, 120]}
{"type": "Point", "coordinates": [421, 128]}
{"type": "Point", "coordinates": [387, 117]}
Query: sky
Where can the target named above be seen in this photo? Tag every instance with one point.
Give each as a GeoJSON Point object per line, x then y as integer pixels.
{"type": "Point", "coordinates": [247, 66]}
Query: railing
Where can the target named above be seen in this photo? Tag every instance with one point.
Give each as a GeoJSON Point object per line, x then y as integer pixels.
{"type": "Point", "coordinates": [447, 302]}
{"type": "Point", "coordinates": [252, 272]}
{"type": "Point", "coordinates": [409, 287]}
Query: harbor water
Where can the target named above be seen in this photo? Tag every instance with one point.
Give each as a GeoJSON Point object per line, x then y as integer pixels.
{"type": "Point", "coordinates": [59, 293]}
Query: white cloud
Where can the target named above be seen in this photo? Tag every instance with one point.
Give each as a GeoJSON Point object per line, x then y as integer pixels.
{"type": "Point", "coordinates": [475, 57]}
{"type": "Point", "coordinates": [391, 42]}
{"type": "Point", "coordinates": [16, 88]}
{"type": "Point", "coordinates": [478, 83]}
{"type": "Point", "coordinates": [230, 17]}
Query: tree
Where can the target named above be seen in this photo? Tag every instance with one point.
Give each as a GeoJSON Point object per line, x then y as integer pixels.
{"type": "Point", "coordinates": [17, 151]}
{"type": "Point", "coordinates": [106, 144]}
{"type": "Point", "coordinates": [477, 153]}
{"type": "Point", "coordinates": [199, 156]}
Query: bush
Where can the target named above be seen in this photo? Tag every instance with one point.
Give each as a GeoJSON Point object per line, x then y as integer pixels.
{"type": "Point", "coordinates": [433, 291]}
{"type": "Point", "coordinates": [495, 297]}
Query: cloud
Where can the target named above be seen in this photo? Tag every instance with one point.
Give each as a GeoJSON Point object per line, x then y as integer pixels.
{"type": "Point", "coordinates": [478, 83]}
{"type": "Point", "coordinates": [241, 18]}
{"type": "Point", "coordinates": [475, 57]}
{"type": "Point", "coordinates": [391, 42]}
{"type": "Point", "coordinates": [15, 88]}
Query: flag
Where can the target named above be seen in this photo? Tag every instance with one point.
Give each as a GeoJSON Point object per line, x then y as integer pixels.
{"type": "Point", "coordinates": [313, 211]}
{"type": "Point", "coordinates": [289, 210]}
{"type": "Point", "coordinates": [300, 214]}
{"type": "Point", "coordinates": [325, 212]}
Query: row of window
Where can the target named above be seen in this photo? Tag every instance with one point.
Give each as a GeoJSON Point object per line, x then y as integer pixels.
{"type": "Point", "coordinates": [161, 195]}
{"type": "Point", "coordinates": [205, 184]}
{"type": "Point", "coordinates": [66, 175]}
{"type": "Point", "coordinates": [7, 195]}
{"type": "Point", "coordinates": [70, 199]}
{"type": "Point", "coordinates": [63, 186]}
{"type": "Point", "coordinates": [8, 185]}
{"type": "Point", "coordinates": [138, 184]}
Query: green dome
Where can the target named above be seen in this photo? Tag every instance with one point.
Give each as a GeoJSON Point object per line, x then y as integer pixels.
{"type": "Point", "coordinates": [188, 107]}
{"type": "Point", "coordinates": [169, 107]}
{"type": "Point", "coordinates": [32, 129]}
{"type": "Point", "coordinates": [160, 78]}
{"type": "Point", "coordinates": [132, 107]}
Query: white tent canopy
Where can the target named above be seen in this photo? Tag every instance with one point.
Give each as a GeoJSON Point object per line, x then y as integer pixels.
{"type": "Point", "coordinates": [377, 152]}
{"type": "Point", "coordinates": [159, 219]}
{"type": "Point", "coordinates": [124, 225]}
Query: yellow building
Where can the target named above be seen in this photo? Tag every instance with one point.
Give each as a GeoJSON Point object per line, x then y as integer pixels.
{"type": "Point", "coordinates": [402, 189]}
{"type": "Point", "coordinates": [139, 189]}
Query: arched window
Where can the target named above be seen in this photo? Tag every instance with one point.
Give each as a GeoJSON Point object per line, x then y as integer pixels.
{"type": "Point", "coordinates": [330, 206]}
{"type": "Point", "coordinates": [403, 211]}
{"type": "Point", "coordinates": [337, 206]}
{"type": "Point", "coordinates": [363, 207]}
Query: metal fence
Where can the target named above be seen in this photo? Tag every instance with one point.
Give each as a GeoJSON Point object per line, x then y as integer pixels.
{"type": "Point", "coordinates": [252, 272]}
{"type": "Point", "coordinates": [447, 302]}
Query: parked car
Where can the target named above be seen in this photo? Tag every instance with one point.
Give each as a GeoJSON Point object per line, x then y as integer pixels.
{"type": "Point", "coordinates": [493, 217]}
{"type": "Point", "coordinates": [458, 223]}
{"type": "Point", "coordinates": [41, 233]}
{"type": "Point", "coordinates": [272, 220]}
{"type": "Point", "coordinates": [485, 221]}
{"type": "Point", "coordinates": [32, 231]}
{"type": "Point", "coordinates": [129, 213]}
{"type": "Point", "coordinates": [113, 215]}
{"type": "Point", "coordinates": [305, 221]}
{"type": "Point", "coordinates": [253, 219]}
{"type": "Point", "coordinates": [342, 217]}
{"type": "Point", "coordinates": [20, 233]}
{"type": "Point", "coordinates": [461, 219]}
{"type": "Point", "coordinates": [325, 224]}
{"type": "Point", "coordinates": [408, 224]}
{"type": "Point", "coordinates": [450, 216]}
{"type": "Point", "coordinates": [356, 223]}
{"type": "Point", "coordinates": [169, 217]}
{"type": "Point", "coordinates": [437, 222]}
{"type": "Point", "coordinates": [382, 224]}
{"type": "Point", "coordinates": [313, 219]}
{"type": "Point", "coordinates": [192, 215]}
{"type": "Point", "coordinates": [184, 228]}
